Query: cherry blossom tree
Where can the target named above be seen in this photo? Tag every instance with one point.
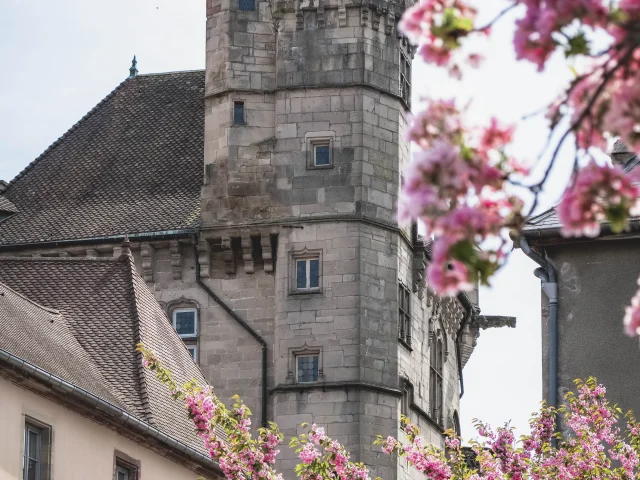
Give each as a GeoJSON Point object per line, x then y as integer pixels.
{"type": "Point", "coordinates": [463, 184]}
{"type": "Point", "coordinates": [596, 447]}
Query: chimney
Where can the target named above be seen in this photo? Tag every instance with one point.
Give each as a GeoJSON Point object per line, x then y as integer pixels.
{"type": "Point", "coordinates": [620, 153]}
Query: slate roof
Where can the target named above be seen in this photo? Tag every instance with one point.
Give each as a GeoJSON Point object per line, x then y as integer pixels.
{"type": "Point", "coordinates": [133, 164]}
{"type": "Point", "coordinates": [103, 308]}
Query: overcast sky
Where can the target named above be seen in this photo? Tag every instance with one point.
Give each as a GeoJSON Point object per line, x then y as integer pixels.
{"type": "Point", "coordinates": [59, 58]}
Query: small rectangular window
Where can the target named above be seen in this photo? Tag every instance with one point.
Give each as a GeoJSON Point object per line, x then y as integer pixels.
{"type": "Point", "coordinates": [308, 274]}
{"type": "Point", "coordinates": [321, 155]}
{"type": "Point", "coordinates": [193, 351]}
{"type": "Point", "coordinates": [238, 113]}
{"type": "Point", "coordinates": [404, 314]}
{"type": "Point", "coordinates": [37, 451]}
{"type": "Point", "coordinates": [405, 78]}
{"type": "Point", "coordinates": [307, 368]}
{"type": "Point", "coordinates": [185, 321]}
{"type": "Point", "coordinates": [247, 5]}
{"type": "Point", "coordinates": [122, 473]}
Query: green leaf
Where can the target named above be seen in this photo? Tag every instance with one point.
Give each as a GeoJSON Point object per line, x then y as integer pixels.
{"type": "Point", "coordinates": [578, 45]}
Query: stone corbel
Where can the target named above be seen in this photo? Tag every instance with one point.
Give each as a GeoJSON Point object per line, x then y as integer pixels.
{"type": "Point", "coordinates": [267, 253]}
{"type": "Point", "coordinates": [176, 259]}
{"type": "Point", "coordinates": [342, 15]}
{"type": "Point", "coordinates": [299, 16]}
{"type": "Point", "coordinates": [419, 263]}
{"type": "Point", "coordinates": [247, 254]}
{"type": "Point", "coordinates": [228, 257]}
{"type": "Point", "coordinates": [204, 259]}
{"type": "Point", "coordinates": [390, 22]}
{"type": "Point", "coordinates": [364, 15]}
{"type": "Point", "coordinates": [320, 14]}
{"type": "Point", "coordinates": [147, 252]}
{"type": "Point", "coordinates": [376, 20]}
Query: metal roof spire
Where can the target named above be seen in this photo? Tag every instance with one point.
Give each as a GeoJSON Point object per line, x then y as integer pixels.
{"type": "Point", "coordinates": [133, 71]}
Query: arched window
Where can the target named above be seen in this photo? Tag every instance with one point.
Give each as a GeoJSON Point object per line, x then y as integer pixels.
{"type": "Point", "coordinates": [436, 366]}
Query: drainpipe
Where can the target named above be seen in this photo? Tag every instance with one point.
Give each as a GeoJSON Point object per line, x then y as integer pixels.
{"type": "Point", "coordinates": [547, 275]}
{"type": "Point", "coordinates": [244, 325]}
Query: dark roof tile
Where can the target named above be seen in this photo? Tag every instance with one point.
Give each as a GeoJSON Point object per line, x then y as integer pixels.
{"type": "Point", "coordinates": [133, 164]}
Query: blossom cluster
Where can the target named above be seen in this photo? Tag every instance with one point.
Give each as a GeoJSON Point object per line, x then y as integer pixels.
{"type": "Point", "coordinates": [455, 186]}
{"type": "Point", "coordinates": [597, 193]}
{"type": "Point", "coordinates": [325, 458]}
{"type": "Point", "coordinates": [591, 450]}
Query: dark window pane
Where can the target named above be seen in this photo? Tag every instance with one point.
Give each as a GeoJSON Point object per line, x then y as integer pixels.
{"type": "Point", "coordinates": [308, 368]}
{"type": "Point", "coordinates": [185, 323]}
{"type": "Point", "coordinates": [33, 445]}
{"type": "Point", "coordinates": [32, 470]}
{"type": "Point", "coordinates": [301, 274]}
{"type": "Point", "coordinates": [247, 5]}
{"type": "Point", "coordinates": [314, 273]}
{"type": "Point", "coordinates": [238, 111]}
{"type": "Point", "coordinates": [322, 154]}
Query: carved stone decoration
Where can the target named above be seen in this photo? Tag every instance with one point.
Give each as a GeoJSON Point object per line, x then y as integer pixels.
{"type": "Point", "coordinates": [228, 257]}
{"type": "Point", "coordinates": [419, 263]}
{"type": "Point", "coordinates": [376, 21]}
{"type": "Point", "coordinates": [495, 321]}
{"type": "Point", "coordinates": [342, 15]}
{"type": "Point", "coordinates": [148, 253]}
{"type": "Point", "coordinates": [204, 259]}
{"type": "Point", "coordinates": [247, 254]}
{"type": "Point", "coordinates": [176, 259]}
{"type": "Point", "coordinates": [320, 13]}
{"type": "Point", "coordinates": [364, 16]}
{"type": "Point", "coordinates": [267, 253]}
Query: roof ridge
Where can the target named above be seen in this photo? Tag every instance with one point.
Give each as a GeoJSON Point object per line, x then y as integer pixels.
{"type": "Point", "coordinates": [169, 73]}
{"type": "Point", "coordinates": [42, 307]}
{"type": "Point", "coordinates": [59, 259]}
{"type": "Point", "coordinates": [127, 261]}
{"type": "Point", "coordinates": [64, 135]}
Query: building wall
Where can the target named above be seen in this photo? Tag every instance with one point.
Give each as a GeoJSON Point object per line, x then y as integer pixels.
{"type": "Point", "coordinates": [81, 448]}
{"type": "Point", "coordinates": [596, 281]}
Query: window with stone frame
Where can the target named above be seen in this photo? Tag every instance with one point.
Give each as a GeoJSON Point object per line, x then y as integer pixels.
{"type": "Point", "coordinates": [184, 315]}
{"type": "Point", "coordinates": [405, 76]}
{"type": "Point", "coordinates": [306, 272]}
{"type": "Point", "coordinates": [305, 364]}
{"type": "Point", "coordinates": [239, 115]}
{"type": "Point", "coordinates": [436, 373]}
{"type": "Point", "coordinates": [404, 314]}
{"type": "Point", "coordinates": [37, 450]}
{"type": "Point", "coordinates": [125, 467]}
{"type": "Point", "coordinates": [407, 398]}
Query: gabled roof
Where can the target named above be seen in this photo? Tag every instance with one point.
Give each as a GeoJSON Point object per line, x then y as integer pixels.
{"type": "Point", "coordinates": [6, 206]}
{"type": "Point", "coordinates": [133, 164]}
{"type": "Point", "coordinates": [103, 308]}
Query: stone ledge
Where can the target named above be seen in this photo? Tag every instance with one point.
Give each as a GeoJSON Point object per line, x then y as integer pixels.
{"type": "Point", "coordinates": [298, 387]}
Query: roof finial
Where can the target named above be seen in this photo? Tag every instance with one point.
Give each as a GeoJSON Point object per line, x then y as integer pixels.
{"type": "Point", "coordinates": [126, 246]}
{"type": "Point", "coordinates": [133, 71]}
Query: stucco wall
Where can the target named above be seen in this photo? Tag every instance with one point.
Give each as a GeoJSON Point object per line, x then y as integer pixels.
{"type": "Point", "coordinates": [81, 448]}
{"type": "Point", "coordinates": [596, 282]}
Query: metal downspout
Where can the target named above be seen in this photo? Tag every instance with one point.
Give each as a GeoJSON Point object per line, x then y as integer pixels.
{"type": "Point", "coordinates": [548, 276]}
{"type": "Point", "coordinates": [244, 325]}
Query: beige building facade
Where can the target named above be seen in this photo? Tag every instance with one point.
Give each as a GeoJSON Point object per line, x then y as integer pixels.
{"type": "Point", "coordinates": [70, 446]}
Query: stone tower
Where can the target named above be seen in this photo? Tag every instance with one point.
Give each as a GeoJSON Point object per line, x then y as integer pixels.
{"type": "Point", "coordinates": [305, 107]}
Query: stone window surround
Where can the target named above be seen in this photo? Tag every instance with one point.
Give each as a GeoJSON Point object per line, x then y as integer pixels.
{"type": "Point", "coordinates": [311, 139]}
{"type": "Point", "coordinates": [122, 460]}
{"type": "Point", "coordinates": [404, 316]}
{"type": "Point", "coordinates": [45, 433]}
{"type": "Point", "coordinates": [436, 376]}
{"type": "Point", "coordinates": [296, 255]}
{"type": "Point", "coordinates": [294, 353]}
{"type": "Point", "coordinates": [185, 303]}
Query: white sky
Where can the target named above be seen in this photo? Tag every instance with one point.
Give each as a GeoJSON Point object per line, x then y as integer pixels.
{"type": "Point", "coordinates": [58, 59]}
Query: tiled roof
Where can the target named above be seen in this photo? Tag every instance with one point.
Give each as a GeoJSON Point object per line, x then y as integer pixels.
{"type": "Point", "coordinates": [105, 309]}
{"type": "Point", "coordinates": [133, 164]}
{"type": "Point", "coordinates": [6, 206]}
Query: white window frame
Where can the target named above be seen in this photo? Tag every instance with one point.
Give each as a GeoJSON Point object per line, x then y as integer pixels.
{"type": "Point", "coordinates": [122, 470]}
{"type": "Point", "coordinates": [308, 288]}
{"type": "Point", "coordinates": [321, 143]}
{"type": "Point", "coordinates": [194, 347]}
{"type": "Point", "coordinates": [304, 355]}
{"type": "Point", "coordinates": [195, 323]}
